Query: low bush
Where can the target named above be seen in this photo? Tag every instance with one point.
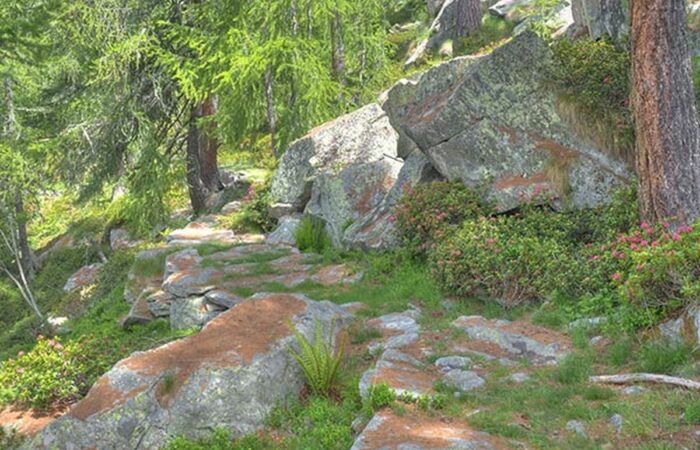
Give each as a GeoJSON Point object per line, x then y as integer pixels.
{"type": "Point", "coordinates": [49, 374]}
{"type": "Point", "coordinates": [311, 235]}
{"type": "Point", "coordinates": [430, 212]}
{"type": "Point", "coordinates": [253, 215]}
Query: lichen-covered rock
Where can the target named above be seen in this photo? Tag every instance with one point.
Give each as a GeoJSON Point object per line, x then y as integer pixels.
{"type": "Point", "coordinates": [376, 230]}
{"type": "Point", "coordinates": [414, 431]}
{"type": "Point", "coordinates": [497, 125]}
{"type": "Point", "coordinates": [510, 9]}
{"type": "Point", "coordinates": [602, 17]}
{"type": "Point", "coordinates": [361, 137]}
{"type": "Point", "coordinates": [535, 344]}
{"type": "Point", "coordinates": [342, 198]}
{"type": "Point", "coordinates": [84, 277]}
{"type": "Point", "coordinates": [230, 376]}
{"type": "Point", "coordinates": [285, 232]}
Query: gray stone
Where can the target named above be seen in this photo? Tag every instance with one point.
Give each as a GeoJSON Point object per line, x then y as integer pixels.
{"type": "Point", "coordinates": [285, 232]}
{"type": "Point", "coordinates": [595, 340]}
{"type": "Point", "coordinates": [434, 6]}
{"type": "Point", "coordinates": [510, 9]}
{"type": "Point", "coordinates": [376, 230]}
{"type": "Point", "coordinates": [519, 377]}
{"type": "Point", "coordinates": [463, 380]}
{"type": "Point", "coordinates": [120, 239]}
{"type": "Point", "coordinates": [342, 198]}
{"type": "Point", "coordinates": [453, 362]}
{"type": "Point", "coordinates": [159, 303]}
{"type": "Point", "coordinates": [361, 137]}
{"type": "Point", "coordinates": [83, 278]}
{"type": "Point", "coordinates": [587, 323]}
{"type": "Point", "coordinates": [494, 123]}
{"type": "Point", "coordinates": [222, 298]}
{"type": "Point", "coordinates": [514, 339]}
{"type": "Point", "coordinates": [693, 314]}
{"type": "Point", "coordinates": [602, 17]}
{"type": "Point", "coordinates": [617, 421]}
{"type": "Point", "coordinates": [192, 282]}
{"type": "Point", "coordinates": [672, 330]}
{"type": "Point", "coordinates": [578, 427]}
{"type": "Point", "coordinates": [188, 312]}
{"type": "Point", "coordinates": [230, 375]}
{"type": "Point", "coordinates": [634, 390]}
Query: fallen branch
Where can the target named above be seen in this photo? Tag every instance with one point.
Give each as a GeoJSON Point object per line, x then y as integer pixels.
{"type": "Point", "coordinates": [645, 378]}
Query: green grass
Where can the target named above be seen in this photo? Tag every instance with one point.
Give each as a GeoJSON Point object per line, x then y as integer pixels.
{"type": "Point", "coordinates": [493, 30]}
{"type": "Point", "coordinates": [663, 357]}
{"type": "Point", "coordinates": [311, 235]}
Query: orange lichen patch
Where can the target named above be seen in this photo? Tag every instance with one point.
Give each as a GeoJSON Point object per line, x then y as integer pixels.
{"type": "Point", "coordinates": [540, 334]}
{"type": "Point", "coordinates": [404, 376]}
{"type": "Point", "coordinates": [466, 345]}
{"type": "Point", "coordinates": [513, 181]}
{"type": "Point", "coordinates": [232, 339]}
{"type": "Point", "coordinates": [419, 430]}
{"type": "Point", "coordinates": [102, 397]}
{"type": "Point", "coordinates": [554, 148]}
{"type": "Point", "coordinates": [28, 422]}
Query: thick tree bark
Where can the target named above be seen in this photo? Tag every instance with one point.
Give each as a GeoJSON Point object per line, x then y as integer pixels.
{"type": "Point", "coordinates": [338, 42]}
{"type": "Point", "coordinates": [270, 106]}
{"type": "Point", "coordinates": [209, 149]}
{"type": "Point", "coordinates": [198, 192]}
{"type": "Point", "coordinates": [668, 138]}
{"type": "Point", "coordinates": [467, 18]}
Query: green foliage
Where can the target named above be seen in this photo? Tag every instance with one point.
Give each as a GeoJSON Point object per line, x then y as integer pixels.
{"type": "Point", "coordinates": [430, 212]}
{"type": "Point", "coordinates": [493, 31]}
{"type": "Point", "coordinates": [221, 440]}
{"type": "Point", "coordinates": [662, 356]}
{"type": "Point", "coordinates": [311, 235]}
{"type": "Point", "coordinates": [692, 412]}
{"type": "Point", "coordinates": [381, 395]}
{"type": "Point", "coordinates": [574, 368]}
{"type": "Point", "coordinates": [9, 439]}
{"type": "Point", "coordinates": [49, 374]}
{"type": "Point", "coordinates": [253, 215]}
{"type": "Point", "coordinates": [319, 360]}
{"type": "Point", "coordinates": [596, 75]}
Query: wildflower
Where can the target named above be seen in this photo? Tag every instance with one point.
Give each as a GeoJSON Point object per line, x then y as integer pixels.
{"type": "Point", "coordinates": [21, 354]}
{"type": "Point", "coordinates": [616, 276]}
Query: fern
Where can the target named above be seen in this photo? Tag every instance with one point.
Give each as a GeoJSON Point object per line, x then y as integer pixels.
{"type": "Point", "coordinates": [318, 360]}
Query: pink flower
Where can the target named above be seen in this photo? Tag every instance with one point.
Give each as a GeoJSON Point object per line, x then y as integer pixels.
{"type": "Point", "coordinates": [616, 276]}
{"type": "Point", "coordinates": [676, 237]}
{"type": "Point", "coordinates": [644, 243]}
{"type": "Point", "coordinates": [20, 354]}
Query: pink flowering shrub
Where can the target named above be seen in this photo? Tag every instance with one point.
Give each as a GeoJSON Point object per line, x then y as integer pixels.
{"type": "Point", "coordinates": [51, 373]}
{"type": "Point", "coordinates": [428, 213]}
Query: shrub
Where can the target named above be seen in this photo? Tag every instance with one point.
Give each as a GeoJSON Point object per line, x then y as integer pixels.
{"type": "Point", "coordinates": [253, 215]}
{"type": "Point", "coordinates": [319, 360]}
{"type": "Point", "coordinates": [381, 395]}
{"type": "Point", "coordinates": [50, 373]}
{"type": "Point", "coordinates": [493, 258]}
{"type": "Point", "coordinates": [430, 212]}
{"type": "Point", "coordinates": [311, 235]}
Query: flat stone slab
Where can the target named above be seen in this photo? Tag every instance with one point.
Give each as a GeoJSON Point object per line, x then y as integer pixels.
{"type": "Point", "coordinates": [83, 277]}
{"type": "Point", "coordinates": [230, 375]}
{"type": "Point", "coordinates": [521, 339]}
{"type": "Point", "coordinates": [414, 431]}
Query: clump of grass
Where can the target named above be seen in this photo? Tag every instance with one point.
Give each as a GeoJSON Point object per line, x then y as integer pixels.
{"type": "Point", "coordinates": [663, 356]}
{"type": "Point", "coordinates": [692, 412]}
{"type": "Point", "coordinates": [618, 353]}
{"type": "Point", "coordinates": [574, 368]}
{"type": "Point", "coordinates": [311, 235]}
{"type": "Point", "coordinates": [380, 396]}
{"type": "Point", "coordinates": [493, 30]}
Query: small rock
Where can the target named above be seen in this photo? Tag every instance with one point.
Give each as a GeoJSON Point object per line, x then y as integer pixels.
{"type": "Point", "coordinates": [285, 234]}
{"type": "Point", "coordinates": [576, 426]}
{"type": "Point", "coordinates": [519, 377]}
{"type": "Point", "coordinates": [222, 298]}
{"type": "Point", "coordinates": [230, 208]}
{"type": "Point", "coordinates": [587, 322]}
{"type": "Point", "coordinates": [448, 363]}
{"type": "Point", "coordinates": [634, 390]}
{"type": "Point", "coordinates": [82, 278]}
{"type": "Point", "coordinates": [617, 421]}
{"type": "Point", "coordinates": [595, 340]}
{"type": "Point", "coordinates": [464, 380]}
{"type": "Point", "coordinates": [672, 330]}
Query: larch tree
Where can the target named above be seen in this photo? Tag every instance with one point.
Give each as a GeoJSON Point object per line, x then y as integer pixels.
{"type": "Point", "coordinates": [666, 121]}
{"type": "Point", "coordinates": [468, 14]}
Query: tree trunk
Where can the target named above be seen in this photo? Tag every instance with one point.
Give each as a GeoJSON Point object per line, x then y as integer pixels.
{"type": "Point", "coordinates": [270, 106]}
{"type": "Point", "coordinates": [338, 52]}
{"type": "Point", "coordinates": [294, 13]}
{"type": "Point", "coordinates": [309, 19]}
{"type": "Point", "coordinates": [198, 192]}
{"type": "Point", "coordinates": [467, 18]}
{"type": "Point", "coordinates": [27, 256]}
{"type": "Point", "coordinates": [209, 149]}
{"type": "Point", "coordinates": [668, 138]}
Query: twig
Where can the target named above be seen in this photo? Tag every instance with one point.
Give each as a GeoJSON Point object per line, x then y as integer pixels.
{"type": "Point", "coordinates": [645, 377]}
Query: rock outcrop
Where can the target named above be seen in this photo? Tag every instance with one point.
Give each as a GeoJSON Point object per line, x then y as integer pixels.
{"type": "Point", "coordinates": [602, 17]}
{"type": "Point", "coordinates": [363, 137]}
{"type": "Point", "coordinates": [492, 121]}
{"type": "Point", "coordinates": [230, 375]}
{"type": "Point", "coordinates": [84, 277]}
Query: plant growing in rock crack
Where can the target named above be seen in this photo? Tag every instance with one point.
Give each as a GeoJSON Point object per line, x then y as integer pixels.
{"type": "Point", "coordinates": [319, 359]}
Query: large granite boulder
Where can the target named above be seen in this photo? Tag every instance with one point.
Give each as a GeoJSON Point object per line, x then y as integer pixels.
{"type": "Point", "coordinates": [376, 230]}
{"type": "Point", "coordinates": [496, 125]}
{"type": "Point", "coordinates": [341, 199]}
{"type": "Point", "coordinates": [230, 376]}
{"type": "Point", "coordinates": [362, 137]}
{"type": "Point", "coordinates": [602, 17]}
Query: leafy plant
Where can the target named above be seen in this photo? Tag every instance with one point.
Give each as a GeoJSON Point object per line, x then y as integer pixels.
{"type": "Point", "coordinates": [319, 359]}
{"type": "Point", "coordinates": [381, 395]}
{"type": "Point", "coordinates": [311, 235]}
